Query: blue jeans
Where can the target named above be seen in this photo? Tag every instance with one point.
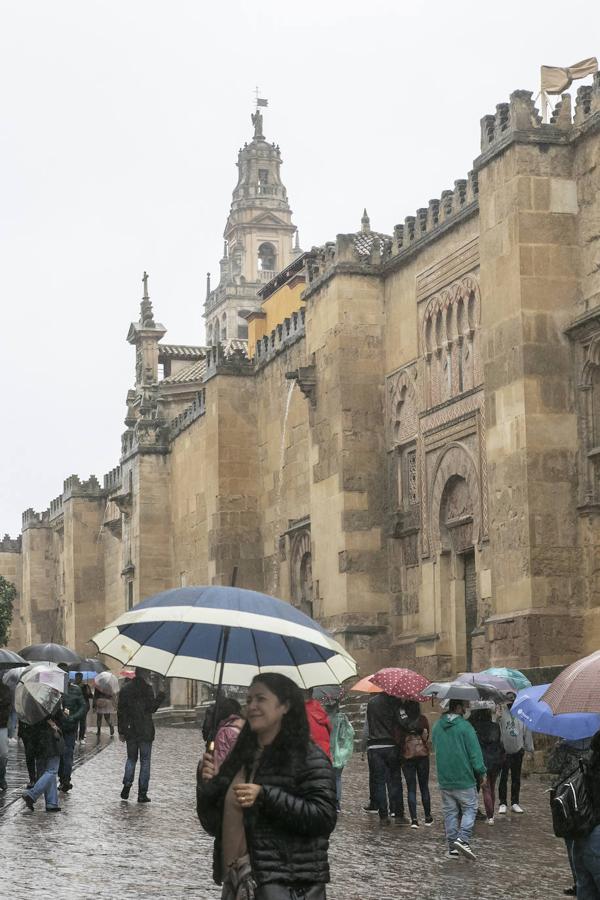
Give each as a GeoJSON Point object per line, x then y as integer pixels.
{"type": "Point", "coordinates": [46, 783]}
{"type": "Point", "coordinates": [413, 769]}
{"type": "Point", "coordinates": [66, 761]}
{"type": "Point", "coordinates": [144, 750]}
{"type": "Point", "coordinates": [460, 809]}
{"type": "Point", "coordinates": [12, 723]}
{"type": "Point", "coordinates": [586, 859]}
{"type": "Point", "coordinates": [387, 772]}
{"type": "Point", "coordinates": [338, 785]}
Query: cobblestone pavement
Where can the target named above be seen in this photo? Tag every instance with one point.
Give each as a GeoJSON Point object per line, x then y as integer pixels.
{"type": "Point", "coordinates": [103, 848]}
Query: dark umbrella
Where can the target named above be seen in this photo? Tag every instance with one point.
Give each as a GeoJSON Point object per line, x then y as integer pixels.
{"type": "Point", "coordinates": [88, 665]}
{"type": "Point", "coordinates": [55, 653]}
{"type": "Point", "coordinates": [9, 659]}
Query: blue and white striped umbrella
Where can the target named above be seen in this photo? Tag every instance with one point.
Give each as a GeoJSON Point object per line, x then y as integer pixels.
{"type": "Point", "coordinates": [181, 634]}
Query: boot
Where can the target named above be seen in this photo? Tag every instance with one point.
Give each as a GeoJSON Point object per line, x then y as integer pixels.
{"type": "Point", "coordinates": [143, 797]}
{"type": "Point", "coordinates": [3, 784]}
{"type": "Point", "coordinates": [125, 792]}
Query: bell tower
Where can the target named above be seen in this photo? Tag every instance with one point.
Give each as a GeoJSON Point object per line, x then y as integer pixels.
{"type": "Point", "coordinates": [259, 239]}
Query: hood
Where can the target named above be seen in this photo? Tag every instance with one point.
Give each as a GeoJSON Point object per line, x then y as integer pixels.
{"type": "Point", "coordinates": [314, 708]}
{"type": "Point", "coordinates": [449, 720]}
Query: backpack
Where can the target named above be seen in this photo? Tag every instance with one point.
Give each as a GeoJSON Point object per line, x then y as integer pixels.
{"type": "Point", "coordinates": [571, 806]}
{"type": "Point", "coordinates": [342, 740]}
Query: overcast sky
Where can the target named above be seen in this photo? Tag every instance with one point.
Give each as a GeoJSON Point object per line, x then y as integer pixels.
{"type": "Point", "coordinates": [119, 127]}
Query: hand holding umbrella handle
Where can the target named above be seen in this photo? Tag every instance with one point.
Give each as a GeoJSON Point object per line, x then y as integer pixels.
{"type": "Point", "coordinates": [207, 767]}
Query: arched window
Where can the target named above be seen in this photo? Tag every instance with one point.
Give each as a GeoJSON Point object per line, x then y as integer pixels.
{"type": "Point", "coordinates": [267, 257]}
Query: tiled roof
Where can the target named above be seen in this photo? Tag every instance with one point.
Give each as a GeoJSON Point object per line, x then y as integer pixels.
{"type": "Point", "coordinates": [235, 345]}
{"type": "Point", "coordinates": [180, 351]}
{"type": "Point", "coordinates": [194, 372]}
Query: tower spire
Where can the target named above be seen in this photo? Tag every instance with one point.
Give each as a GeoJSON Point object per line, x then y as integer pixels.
{"type": "Point", "coordinates": [146, 314]}
{"type": "Point", "coordinates": [365, 222]}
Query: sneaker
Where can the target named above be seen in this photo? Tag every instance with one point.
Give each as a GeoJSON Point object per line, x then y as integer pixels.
{"type": "Point", "coordinates": [28, 801]}
{"type": "Point", "coordinates": [53, 809]}
{"type": "Point", "coordinates": [517, 809]}
{"type": "Point", "coordinates": [143, 798]}
{"type": "Point", "coordinates": [370, 808]}
{"type": "Point", "coordinates": [65, 787]}
{"type": "Point", "coordinates": [490, 821]}
{"type": "Point", "coordinates": [571, 891]}
{"type": "Point", "coordinates": [428, 821]}
{"type": "Point", "coordinates": [82, 742]}
{"type": "Point", "coordinates": [402, 820]}
{"type": "Point", "coordinates": [502, 809]}
{"type": "Point", "coordinates": [13, 741]}
{"type": "Point", "coordinates": [125, 792]}
{"type": "Point", "coordinates": [453, 854]}
{"type": "Point", "coordinates": [464, 848]}
{"type": "Point", "coordinates": [414, 823]}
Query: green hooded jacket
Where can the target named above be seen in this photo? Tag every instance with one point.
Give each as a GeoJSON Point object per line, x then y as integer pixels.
{"type": "Point", "coordinates": [458, 754]}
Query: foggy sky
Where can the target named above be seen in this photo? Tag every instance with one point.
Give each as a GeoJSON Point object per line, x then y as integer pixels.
{"type": "Point", "coordinates": [120, 124]}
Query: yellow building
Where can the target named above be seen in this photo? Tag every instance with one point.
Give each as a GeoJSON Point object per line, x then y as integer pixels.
{"type": "Point", "coordinates": [281, 298]}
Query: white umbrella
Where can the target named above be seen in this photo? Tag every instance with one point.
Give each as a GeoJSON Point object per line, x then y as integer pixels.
{"type": "Point", "coordinates": [38, 692]}
{"type": "Point", "coordinates": [107, 683]}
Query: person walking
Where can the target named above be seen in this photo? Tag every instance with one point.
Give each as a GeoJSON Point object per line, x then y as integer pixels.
{"type": "Point", "coordinates": [319, 724]}
{"type": "Point", "coordinates": [136, 705]}
{"type": "Point", "coordinates": [271, 807]}
{"type": "Point", "coordinates": [48, 745]}
{"type": "Point", "coordinates": [563, 760]}
{"type": "Point", "coordinates": [104, 705]}
{"type": "Point", "coordinates": [414, 750]}
{"type": "Point", "coordinates": [490, 741]}
{"type": "Point", "coordinates": [27, 735]}
{"type": "Point", "coordinates": [383, 713]}
{"type": "Point", "coordinates": [5, 707]}
{"type": "Point", "coordinates": [87, 699]}
{"type": "Point", "coordinates": [516, 740]}
{"type": "Point", "coordinates": [73, 711]}
{"type": "Point", "coordinates": [229, 727]}
{"type": "Point", "coordinates": [341, 744]}
{"type": "Point", "coordinates": [586, 850]}
{"type": "Point", "coordinates": [460, 766]}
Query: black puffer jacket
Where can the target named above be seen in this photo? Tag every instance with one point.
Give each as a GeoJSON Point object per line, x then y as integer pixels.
{"type": "Point", "coordinates": [288, 828]}
{"type": "Point", "coordinates": [134, 711]}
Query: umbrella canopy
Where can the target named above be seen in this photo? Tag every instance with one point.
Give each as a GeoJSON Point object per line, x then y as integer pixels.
{"type": "Point", "coordinates": [38, 692]}
{"type": "Point", "coordinates": [127, 673]}
{"type": "Point", "coordinates": [459, 690]}
{"type": "Point", "coordinates": [54, 653]}
{"type": "Point", "coordinates": [518, 681]}
{"type": "Point", "coordinates": [329, 693]}
{"type": "Point", "coordinates": [402, 683]}
{"type": "Point", "coordinates": [537, 716]}
{"type": "Point", "coordinates": [9, 659]}
{"type": "Point", "coordinates": [500, 683]}
{"type": "Point", "coordinates": [107, 683]}
{"type": "Point", "coordinates": [366, 686]}
{"type": "Point", "coordinates": [203, 632]}
{"type": "Point", "coordinates": [11, 678]}
{"type": "Point", "coordinates": [577, 688]}
{"type": "Point", "coordinates": [88, 665]}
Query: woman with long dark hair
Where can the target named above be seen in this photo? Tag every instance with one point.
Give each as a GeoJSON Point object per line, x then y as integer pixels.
{"type": "Point", "coordinates": [272, 805]}
{"type": "Point", "coordinates": [415, 749]}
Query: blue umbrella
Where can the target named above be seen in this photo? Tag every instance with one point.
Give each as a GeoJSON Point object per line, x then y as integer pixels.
{"type": "Point", "coordinates": [537, 716]}
{"type": "Point", "coordinates": [225, 633]}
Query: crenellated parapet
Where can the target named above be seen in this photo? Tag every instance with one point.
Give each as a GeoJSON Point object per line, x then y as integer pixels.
{"type": "Point", "coordinates": [74, 487]}
{"type": "Point", "coordinates": [189, 415]}
{"type": "Point", "coordinates": [520, 120]}
{"type": "Point", "coordinates": [291, 330]}
{"type": "Point", "coordinates": [33, 519]}
{"type": "Point", "coordinates": [10, 545]}
{"type": "Point", "coordinates": [113, 480]}
{"type": "Point", "coordinates": [56, 507]}
{"type": "Point", "coordinates": [227, 360]}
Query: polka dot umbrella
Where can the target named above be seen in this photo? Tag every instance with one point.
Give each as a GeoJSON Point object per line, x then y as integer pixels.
{"type": "Point", "coordinates": [402, 683]}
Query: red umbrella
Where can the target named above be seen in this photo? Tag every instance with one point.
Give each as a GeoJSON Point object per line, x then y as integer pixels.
{"type": "Point", "coordinates": [577, 688]}
{"type": "Point", "coordinates": [366, 686]}
{"type": "Point", "coordinates": [402, 683]}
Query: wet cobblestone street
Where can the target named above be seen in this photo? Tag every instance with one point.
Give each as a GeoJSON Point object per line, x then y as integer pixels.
{"type": "Point", "coordinates": [103, 848]}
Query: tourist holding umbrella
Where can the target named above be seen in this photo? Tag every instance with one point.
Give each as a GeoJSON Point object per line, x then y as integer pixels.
{"type": "Point", "coordinates": [37, 699]}
{"type": "Point", "coordinates": [271, 808]}
{"type": "Point", "coordinates": [516, 740]}
{"type": "Point", "coordinates": [137, 703]}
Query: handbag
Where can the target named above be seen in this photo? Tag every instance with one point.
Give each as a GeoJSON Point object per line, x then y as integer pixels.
{"type": "Point", "coordinates": [415, 747]}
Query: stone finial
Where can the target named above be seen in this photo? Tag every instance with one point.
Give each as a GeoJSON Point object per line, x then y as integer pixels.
{"type": "Point", "coordinates": [207, 285]}
{"type": "Point", "coordinates": [146, 314]}
{"type": "Point", "coordinates": [365, 222]}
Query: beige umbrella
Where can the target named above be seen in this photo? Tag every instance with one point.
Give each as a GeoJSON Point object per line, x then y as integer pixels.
{"type": "Point", "coordinates": [577, 688]}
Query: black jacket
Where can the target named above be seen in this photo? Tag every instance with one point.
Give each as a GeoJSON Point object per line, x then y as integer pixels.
{"type": "Point", "coordinates": [490, 741]}
{"type": "Point", "coordinates": [46, 742]}
{"type": "Point", "coordinates": [134, 711]}
{"type": "Point", "coordinates": [5, 704]}
{"type": "Point", "coordinates": [383, 719]}
{"type": "Point", "coordinates": [288, 828]}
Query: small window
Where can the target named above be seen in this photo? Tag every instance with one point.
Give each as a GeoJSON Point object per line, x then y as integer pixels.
{"type": "Point", "coordinates": [263, 176]}
{"type": "Point", "coordinates": [267, 257]}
